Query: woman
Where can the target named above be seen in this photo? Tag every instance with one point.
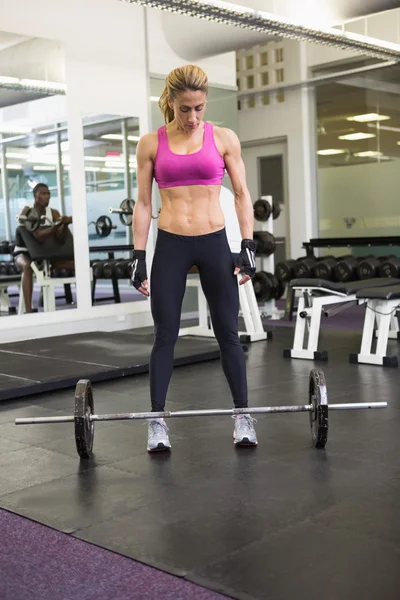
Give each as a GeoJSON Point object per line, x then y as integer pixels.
{"type": "Point", "coordinates": [188, 158]}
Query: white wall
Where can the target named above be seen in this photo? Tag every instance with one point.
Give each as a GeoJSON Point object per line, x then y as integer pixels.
{"type": "Point", "coordinates": [162, 58]}
{"type": "Point", "coordinates": [291, 121]}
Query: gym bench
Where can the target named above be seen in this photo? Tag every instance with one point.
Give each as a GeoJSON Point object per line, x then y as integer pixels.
{"type": "Point", "coordinates": [381, 306]}
{"type": "Point", "coordinates": [316, 296]}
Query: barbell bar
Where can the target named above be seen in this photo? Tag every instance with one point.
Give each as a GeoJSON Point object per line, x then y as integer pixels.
{"type": "Point", "coordinates": [198, 413]}
{"type": "Point", "coordinates": [85, 418]}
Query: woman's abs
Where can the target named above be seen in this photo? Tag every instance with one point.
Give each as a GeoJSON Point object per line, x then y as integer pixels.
{"type": "Point", "coordinates": [191, 210]}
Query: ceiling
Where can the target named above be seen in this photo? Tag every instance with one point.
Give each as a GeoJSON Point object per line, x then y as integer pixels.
{"type": "Point", "coordinates": [375, 92]}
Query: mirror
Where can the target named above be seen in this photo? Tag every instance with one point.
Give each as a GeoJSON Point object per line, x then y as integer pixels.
{"type": "Point", "coordinates": [36, 243]}
{"type": "Point", "coordinates": [110, 165]}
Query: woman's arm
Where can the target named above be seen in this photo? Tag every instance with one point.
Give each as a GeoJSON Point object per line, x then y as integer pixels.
{"type": "Point", "coordinates": [237, 173]}
{"type": "Point", "coordinates": [143, 207]}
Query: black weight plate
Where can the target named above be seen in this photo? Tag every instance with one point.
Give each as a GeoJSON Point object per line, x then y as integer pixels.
{"type": "Point", "coordinates": [318, 399]}
{"type": "Point", "coordinates": [103, 226]}
{"type": "Point", "coordinates": [127, 205]}
{"type": "Point", "coordinates": [32, 223]}
{"type": "Point", "coordinates": [262, 210]}
{"type": "Point", "coordinates": [261, 286]}
{"type": "Point", "coordinates": [276, 210]}
{"type": "Point", "coordinates": [304, 268]}
{"type": "Point", "coordinates": [284, 270]}
{"type": "Point", "coordinates": [84, 427]}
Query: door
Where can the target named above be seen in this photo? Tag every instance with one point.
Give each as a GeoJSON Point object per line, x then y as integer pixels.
{"type": "Point", "coordinates": [266, 174]}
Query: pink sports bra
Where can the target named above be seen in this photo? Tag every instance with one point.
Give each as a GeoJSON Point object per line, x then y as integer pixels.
{"type": "Point", "coordinates": [204, 167]}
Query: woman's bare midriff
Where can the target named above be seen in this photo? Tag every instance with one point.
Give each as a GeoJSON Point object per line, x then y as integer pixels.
{"type": "Point", "coordinates": [191, 210]}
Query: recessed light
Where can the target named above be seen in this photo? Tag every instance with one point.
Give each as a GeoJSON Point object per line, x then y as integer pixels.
{"type": "Point", "coordinates": [368, 117]}
{"type": "Point", "coordinates": [357, 136]}
{"type": "Point", "coordinates": [330, 152]}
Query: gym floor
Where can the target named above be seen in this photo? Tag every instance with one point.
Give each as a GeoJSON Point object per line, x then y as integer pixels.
{"type": "Point", "coordinates": [280, 521]}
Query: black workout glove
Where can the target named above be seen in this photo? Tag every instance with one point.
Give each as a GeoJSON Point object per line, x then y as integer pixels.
{"type": "Point", "coordinates": [245, 262]}
{"type": "Point", "coordinates": [138, 270]}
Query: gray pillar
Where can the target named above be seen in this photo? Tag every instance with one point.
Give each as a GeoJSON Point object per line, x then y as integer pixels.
{"type": "Point", "coordinates": [60, 172]}
{"type": "Point", "coordinates": [6, 194]}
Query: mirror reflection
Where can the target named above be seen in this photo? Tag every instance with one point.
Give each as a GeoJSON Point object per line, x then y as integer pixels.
{"type": "Point", "coordinates": [110, 165]}
{"type": "Point", "coordinates": [36, 243]}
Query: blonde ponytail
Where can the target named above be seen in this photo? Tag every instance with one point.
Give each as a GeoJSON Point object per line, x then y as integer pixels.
{"type": "Point", "coordinates": [188, 77]}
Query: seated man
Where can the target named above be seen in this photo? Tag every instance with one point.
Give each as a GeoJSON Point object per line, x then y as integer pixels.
{"type": "Point", "coordinates": [53, 225]}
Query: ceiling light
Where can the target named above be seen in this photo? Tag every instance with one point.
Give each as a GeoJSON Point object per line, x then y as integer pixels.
{"type": "Point", "coordinates": [112, 170]}
{"type": "Point", "coordinates": [154, 98]}
{"type": "Point", "coordinates": [368, 154]}
{"type": "Point", "coordinates": [330, 152]}
{"type": "Point", "coordinates": [17, 130]}
{"type": "Point", "coordinates": [16, 155]}
{"type": "Point", "coordinates": [92, 169]}
{"type": "Point", "coordinates": [357, 136]}
{"type": "Point", "coordinates": [43, 168]}
{"type": "Point", "coordinates": [4, 79]}
{"type": "Point", "coordinates": [368, 117]}
{"type": "Point", "coordinates": [118, 136]}
{"type": "Point", "coordinates": [14, 167]}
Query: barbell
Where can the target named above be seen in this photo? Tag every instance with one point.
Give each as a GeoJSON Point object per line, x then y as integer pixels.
{"type": "Point", "coordinates": [84, 416]}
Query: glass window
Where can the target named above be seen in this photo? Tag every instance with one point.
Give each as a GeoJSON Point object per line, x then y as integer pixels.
{"type": "Point", "coordinates": [265, 78]}
{"type": "Point", "coordinates": [265, 99]}
{"type": "Point", "coordinates": [237, 64]}
{"type": "Point", "coordinates": [358, 154]}
{"type": "Point", "coordinates": [279, 55]}
{"type": "Point", "coordinates": [251, 102]}
{"type": "Point", "coordinates": [250, 82]}
{"type": "Point", "coordinates": [264, 59]}
{"type": "Point", "coordinates": [238, 83]}
{"type": "Point", "coordinates": [249, 62]}
{"type": "Point", "coordinates": [280, 97]}
{"type": "Point", "coordinates": [279, 75]}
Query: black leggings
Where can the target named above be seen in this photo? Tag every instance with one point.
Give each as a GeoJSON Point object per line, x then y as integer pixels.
{"type": "Point", "coordinates": [174, 256]}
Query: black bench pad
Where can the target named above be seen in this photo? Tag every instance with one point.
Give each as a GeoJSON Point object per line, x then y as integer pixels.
{"type": "Point", "coordinates": [345, 288]}
{"type": "Point", "coordinates": [389, 292]}
{"type": "Point", "coordinates": [9, 278]}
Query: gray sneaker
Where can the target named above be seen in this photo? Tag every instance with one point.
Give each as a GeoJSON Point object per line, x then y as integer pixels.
{"type": "Point", "coordinates": [157, 436]}
{"type": "Point", "coordinates": [244, 433]}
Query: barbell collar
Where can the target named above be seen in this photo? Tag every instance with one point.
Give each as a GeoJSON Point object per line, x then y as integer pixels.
{"type": "Point", "coordinates": [200, 413]}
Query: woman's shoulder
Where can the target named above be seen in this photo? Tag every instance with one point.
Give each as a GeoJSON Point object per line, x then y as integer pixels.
{"type": "Point", "coordinates": [148, 144]}
{"type": "Point", "coordinates": [227, 137]}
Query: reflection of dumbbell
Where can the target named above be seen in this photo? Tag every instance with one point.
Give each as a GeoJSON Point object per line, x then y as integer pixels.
{"type": "Point", "coordinates": [7, 268]}
{"type": "Point", "coordinates": [109, 269]}
{"type": "Point", "coordinates": [121, 270]}
{"type": "Point", "coordinates": [125, 211]}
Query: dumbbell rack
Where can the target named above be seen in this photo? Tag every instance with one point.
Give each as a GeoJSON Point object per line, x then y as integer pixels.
{"type": "Point", "coordinates": [267, 263]}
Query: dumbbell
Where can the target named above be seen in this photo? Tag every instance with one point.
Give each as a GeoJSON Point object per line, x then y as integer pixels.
{"type": "Point", "coordinates": [97, 269]}
{"type": "Point", "coordinates": [109, 269]}
{"type": "Point", "coordinates": [368, 267]}
{"type": "Point", "coordinates": [265, 243]}
{"type": "Point", "coordinates": [121, 270]}
{"type": "Point", "coordinates": [267, 286]}
{"type": "Point", "coordinates": [390, 267]}
{"type": "Point", "coordinates": [304, 267]}
{"type": "Point", "coordinates": [324, 269]}
{"type": "Point", "coordinates": [3, 268]}
{"type": "Point", "coordinates": [284, 270]}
